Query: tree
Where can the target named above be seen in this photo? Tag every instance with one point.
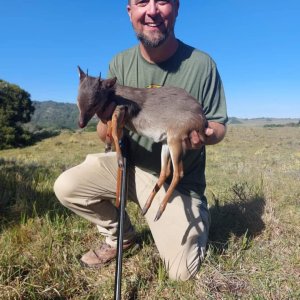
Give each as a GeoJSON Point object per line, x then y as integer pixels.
{"type": "Point", "coordinates": [15, 109]}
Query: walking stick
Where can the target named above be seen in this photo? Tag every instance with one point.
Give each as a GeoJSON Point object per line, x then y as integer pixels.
{"type": "Point", "coordinates": [123, 197]}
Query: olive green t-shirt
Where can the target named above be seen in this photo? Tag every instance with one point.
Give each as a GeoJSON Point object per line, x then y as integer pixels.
{"type": "Point", "coordinates": [190, 69]}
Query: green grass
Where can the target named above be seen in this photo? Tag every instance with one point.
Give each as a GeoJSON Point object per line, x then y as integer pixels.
{"type": "Point", "coordinates": [254, 249]}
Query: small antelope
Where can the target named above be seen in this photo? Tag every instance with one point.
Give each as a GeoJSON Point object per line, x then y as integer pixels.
{"type": "Point", "coordinates": [166, 114]}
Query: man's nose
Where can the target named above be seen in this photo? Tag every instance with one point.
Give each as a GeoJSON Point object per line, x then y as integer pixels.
{"type": "Point", "coordinates": [152, 8]}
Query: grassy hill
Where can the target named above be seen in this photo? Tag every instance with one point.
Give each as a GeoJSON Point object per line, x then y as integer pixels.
{"type": "Point", "coordinates": [55, 115]}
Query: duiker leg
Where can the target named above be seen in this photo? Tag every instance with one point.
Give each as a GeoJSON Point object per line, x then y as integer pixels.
{"type": "Point", "coordinates": [175, 147]}
{"type": "Point", "coordinates": [117, 125]}
{"type": "Point", "coordinates": [108, 148]}
{"type": "Point", "coordinates": [118, 122]}
{"type": "Point", "coordinates": [164, 174]}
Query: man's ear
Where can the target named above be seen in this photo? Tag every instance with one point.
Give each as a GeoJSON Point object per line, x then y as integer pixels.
{"type": "Point", "coordinates": [109, 83]}
{"type": "Point", "coordinates": [129, 11]}
{"type": "Point", "coordinates": [82, 75]}
{"type": "Point", "coordinates": [177, 4]}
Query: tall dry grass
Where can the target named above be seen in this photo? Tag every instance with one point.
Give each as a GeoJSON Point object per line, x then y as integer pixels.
{"type": "Point", "coordinates": [254, 248]}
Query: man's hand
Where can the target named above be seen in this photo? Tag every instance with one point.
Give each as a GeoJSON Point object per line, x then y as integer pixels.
{"type": "Point", "coordinates": [214, 133]}
{"type": "Point", "coordinates": [196, 141]}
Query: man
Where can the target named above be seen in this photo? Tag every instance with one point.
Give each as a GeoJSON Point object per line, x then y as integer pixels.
{"type": "Point", "coordinates": [89, 188]}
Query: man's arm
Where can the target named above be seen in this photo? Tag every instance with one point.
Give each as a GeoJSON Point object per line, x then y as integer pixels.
{"type": "Point", "coordinates": [214, 134]}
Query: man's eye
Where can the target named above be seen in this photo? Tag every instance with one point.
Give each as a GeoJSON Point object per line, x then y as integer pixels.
{"type": "Point", "coordinates": [141, 2]}
{"type": "Point", "coordinates": [163, 2]}
{"type": "Point", "coordinates": [145, 2]}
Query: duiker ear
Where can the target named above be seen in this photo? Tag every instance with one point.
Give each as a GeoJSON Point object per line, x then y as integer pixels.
{"type": "Point", "coordinates": [82, 75]}
{"type": "Point", "coordinates": [109, 83]}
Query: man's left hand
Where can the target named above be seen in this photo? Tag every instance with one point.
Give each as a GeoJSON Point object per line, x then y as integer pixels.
{"type": "Point", "coordinates": [197, 141]}
{"type": "Point", "coordinates": [214, 133]}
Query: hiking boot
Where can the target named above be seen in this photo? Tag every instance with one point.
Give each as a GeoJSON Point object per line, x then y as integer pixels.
{"type": "Point", "coordinates": [103, 255]}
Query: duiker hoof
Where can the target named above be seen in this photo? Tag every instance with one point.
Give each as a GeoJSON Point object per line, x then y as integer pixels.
{"type": "Point", "coordinates": [107, 148]}
{"type": "Point", "coordinates": [120, 160]}
{"type": "Point", "coordinates": [144, 210]}
{"type": "Point", "coordinates": [158, 215]}
{"type": "Point", "coordinates": [120, 163]}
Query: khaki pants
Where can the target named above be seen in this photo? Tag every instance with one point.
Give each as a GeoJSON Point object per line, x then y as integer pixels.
{"type": "Point", "coordinates": [180, 234]}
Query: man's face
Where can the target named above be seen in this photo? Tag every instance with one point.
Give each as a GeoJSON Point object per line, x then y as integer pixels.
{"type": "Point", "coordinates": [153, 20]}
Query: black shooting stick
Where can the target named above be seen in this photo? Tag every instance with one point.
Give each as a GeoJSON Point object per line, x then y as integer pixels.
{"type": "Point", "coordinates": [123, 197]}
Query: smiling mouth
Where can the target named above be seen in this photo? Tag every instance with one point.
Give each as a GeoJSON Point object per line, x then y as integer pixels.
{"type": "Point", "coordinates": [153, 25]}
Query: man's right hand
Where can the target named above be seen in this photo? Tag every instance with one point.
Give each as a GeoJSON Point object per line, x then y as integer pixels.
{"type": "Point", "coordinates": [102, 131]}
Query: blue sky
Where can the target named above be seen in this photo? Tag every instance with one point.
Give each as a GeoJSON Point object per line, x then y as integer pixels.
{"type": "Point", "coordinates": [255, 43]}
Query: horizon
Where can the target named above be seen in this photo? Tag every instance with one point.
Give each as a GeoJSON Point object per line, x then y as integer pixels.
{"type": "Point", "coordinates": [254, 44]}
{"type": "Point", "coordinates": [229, 117]}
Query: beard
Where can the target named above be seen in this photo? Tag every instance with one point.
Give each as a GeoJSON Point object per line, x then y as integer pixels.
{"type": "Point", "coordinates": [153, 40]}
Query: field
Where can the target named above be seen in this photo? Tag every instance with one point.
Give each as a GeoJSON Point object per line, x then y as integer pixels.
{"type": "Point", "coordinates": [254, 248]}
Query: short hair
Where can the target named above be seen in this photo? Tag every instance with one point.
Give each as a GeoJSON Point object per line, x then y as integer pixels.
{"type": "Point", "coordinates": [129, 1]}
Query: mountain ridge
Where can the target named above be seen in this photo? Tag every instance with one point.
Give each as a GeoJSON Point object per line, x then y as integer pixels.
{"type": "Point", "coordinates": [60, 115]}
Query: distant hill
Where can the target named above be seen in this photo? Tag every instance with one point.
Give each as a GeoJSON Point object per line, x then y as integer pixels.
{"type": "Point", "coordinates": [263, 121]}
{"type": "Point", "coordinates": [234, 120]}
{"type": "Point", "coordinates": [55, 115]}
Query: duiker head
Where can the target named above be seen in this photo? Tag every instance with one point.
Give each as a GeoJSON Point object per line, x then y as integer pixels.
{"type": "Point", "coordinates": [93, 93]}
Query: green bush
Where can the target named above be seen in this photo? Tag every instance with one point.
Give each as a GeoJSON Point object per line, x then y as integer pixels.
{"type": "Point", "coordinates": [15, 109]}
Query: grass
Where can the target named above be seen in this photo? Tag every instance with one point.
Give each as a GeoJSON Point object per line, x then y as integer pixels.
{"type": "Point", "coordinates": [254, 248]}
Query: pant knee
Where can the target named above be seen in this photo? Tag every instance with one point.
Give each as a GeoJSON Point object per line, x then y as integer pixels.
{"type": "Point", "coordinates": [62, 189]}
{"type": "Point", "coordinates": [188, 262]}
{"type": "Point", "coordinates": [185, 272]}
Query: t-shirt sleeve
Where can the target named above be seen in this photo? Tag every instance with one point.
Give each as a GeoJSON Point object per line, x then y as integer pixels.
{"type": "Point", "coordinates": [111, 69]}
{"type": "Point", "coordinates": [116, 69]}
{"type": "Point", "coordinates": [213, 97]}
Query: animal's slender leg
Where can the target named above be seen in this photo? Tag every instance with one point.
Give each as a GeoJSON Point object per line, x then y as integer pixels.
{"type": "Point", "coordinates": [118, 122]}
{"type": "Point", "coordinates": [164, 174]}
{"type": "Point", "coordinates": [176, 150]}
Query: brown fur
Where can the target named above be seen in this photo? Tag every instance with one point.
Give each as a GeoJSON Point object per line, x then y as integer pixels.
{"type": "Point", "coordinates": [165, 114]}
